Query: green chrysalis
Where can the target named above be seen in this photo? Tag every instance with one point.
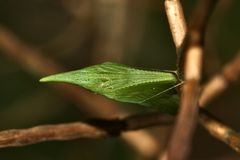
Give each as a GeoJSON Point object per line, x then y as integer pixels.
{"type": "Point", "coordinates": [126, 84]}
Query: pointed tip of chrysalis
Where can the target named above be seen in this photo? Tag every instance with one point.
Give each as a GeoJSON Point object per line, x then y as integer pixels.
{"type": "Point", "coordinates": [45, 79]}
{"type": "Point", "coordinates": [50, 78]}
{"type": "Point", "coordinates": [61, 77]}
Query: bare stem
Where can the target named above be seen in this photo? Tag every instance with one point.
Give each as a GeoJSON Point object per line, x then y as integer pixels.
{"type": "Point", "coordinates": [191, 60]}
{"type": "Point", "coordinates": [97, 128]}
{"type": "Point", "coordinates": [176, 21]}
{"type": "Point", "coordinates": [220, 131]}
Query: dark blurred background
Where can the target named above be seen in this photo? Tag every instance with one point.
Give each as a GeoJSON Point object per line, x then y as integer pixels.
{"type": "Point", "coordinates": [71, 34]}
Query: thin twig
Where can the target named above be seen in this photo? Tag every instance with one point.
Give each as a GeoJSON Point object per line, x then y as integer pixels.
{"type": "Point", "coordinates": [176, 21]}
{"type": "Point", "coordinates": [90, 129]}
{"type": "Point", "coordinates": [179, 146]}
{"type": "Point", "coordinates": [220, 131]}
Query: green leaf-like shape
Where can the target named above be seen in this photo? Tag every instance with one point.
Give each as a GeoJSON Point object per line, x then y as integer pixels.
{"type": "Point", "coordinates": [126, 84]}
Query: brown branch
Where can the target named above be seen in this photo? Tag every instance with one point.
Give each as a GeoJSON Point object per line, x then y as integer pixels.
{"type": "Point", "coordinates": [35, 62]}
{"type": "Point", "coordinates": [97, 128]}
{"type": "Point", "coordinates": [90, 129]}
{"type": "Point", "coordinates": [176, 21]}
{"type": "Point", "coordinates": [180, 143]}
{"type": "Point", "coordinates": [220, 131]}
